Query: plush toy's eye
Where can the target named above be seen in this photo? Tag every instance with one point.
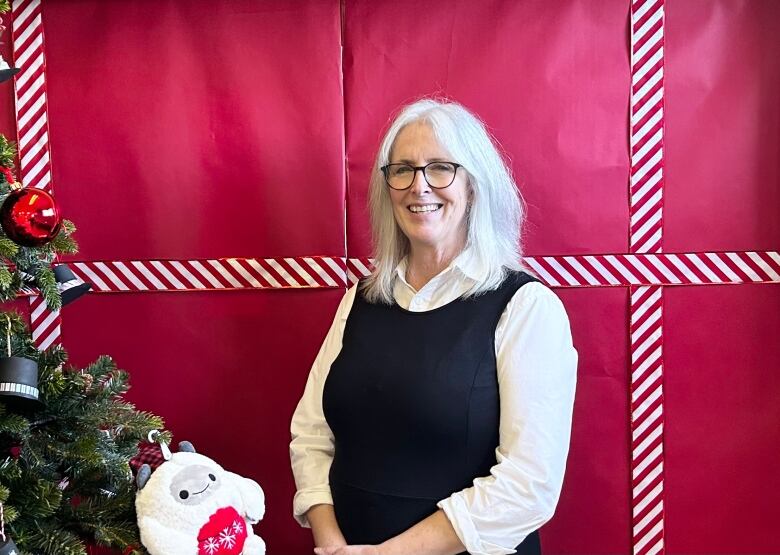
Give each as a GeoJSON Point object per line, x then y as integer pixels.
{"type": "Point", "coordinates": [212, 478]}
{"type": "Point", "coordinates": [184, 494]}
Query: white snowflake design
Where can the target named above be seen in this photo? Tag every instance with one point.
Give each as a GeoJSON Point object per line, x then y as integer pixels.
{"type": "Point", "coordinates": [238, 526]}
{"type": "Point", "coordinates": [211, 546]}
{"type": "Point", "coordinates": [226, 538]}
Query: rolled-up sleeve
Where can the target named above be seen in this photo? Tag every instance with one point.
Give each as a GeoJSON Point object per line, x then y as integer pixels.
{"type": "Point", "coordinates": [311, 447]}
{"type": "Point", "coordinates": [537, 376]}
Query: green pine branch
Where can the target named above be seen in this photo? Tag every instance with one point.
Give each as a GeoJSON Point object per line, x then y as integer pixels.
{"type": "Point", "coordinates": [8, 248]}
{"type": "Point", "coordinates": [39, 500]}
{"type": "Point", "coordinates": [7, 148]}
{"type": "Point", "coordinates": [14, 425]}
{"type": "Point", "coordinates": [64, 243]}
{"type": "Point", "coordinates": [52, 540]}
{"type": "Point", "coordinates": [47, 284]}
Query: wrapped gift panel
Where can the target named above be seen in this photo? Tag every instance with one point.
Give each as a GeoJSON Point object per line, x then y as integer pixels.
{"type": "Point", "coordinates": [594, 512]}
{"type": "Point", "coordinates": [224, 369]}
{"type": "Point", "coordinates": [722, 385]}
{"type": "Point", "coordinates": [722, 118]}
{"type": "Point", "coordinates": [549, 78]}
{"type": "Point", "coordinates": [202, 129]}
{"type": "Point", "coordinates": [197, 129]}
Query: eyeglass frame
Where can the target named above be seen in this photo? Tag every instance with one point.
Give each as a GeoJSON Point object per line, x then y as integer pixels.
{"type": "Point", "coordinates": [422, 169]}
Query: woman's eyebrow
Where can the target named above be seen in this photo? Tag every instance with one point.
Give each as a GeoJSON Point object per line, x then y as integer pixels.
{"type": "Point", "coordinates": [412, 162]}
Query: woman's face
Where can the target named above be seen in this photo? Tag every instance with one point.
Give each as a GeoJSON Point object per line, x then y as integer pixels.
{"type": "Point", "coordinates": [443, 228]}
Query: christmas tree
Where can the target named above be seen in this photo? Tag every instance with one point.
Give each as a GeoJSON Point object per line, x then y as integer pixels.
{"type": "Point", "coordinates": [65, 482]}
{"type": "Point", "coordinates": [66, 435]}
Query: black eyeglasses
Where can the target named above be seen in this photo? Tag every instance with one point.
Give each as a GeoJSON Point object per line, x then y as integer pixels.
{"type": "Point", "coordinates": [438, 175]}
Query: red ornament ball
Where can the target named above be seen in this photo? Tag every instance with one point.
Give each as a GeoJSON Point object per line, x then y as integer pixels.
{"type": "Point", "coordinates": [30, 217]}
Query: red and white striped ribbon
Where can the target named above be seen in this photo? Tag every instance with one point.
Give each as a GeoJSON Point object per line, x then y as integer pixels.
{"type": "Point", "coordinates": [46, 324]}
{"type": "Point", "coordinates": [658, 269]}
{"type": "Point", "coordinates": [620, 270]}
{"type": "Point", "coordinates": [647, 125]}
{"type": "Point", "coordinates": [32, 130]}
{"type": "Point", "coordinates": [213, 274]}
{"type": "Point", "coordinates": [646, 238]}
{"type": "Point", "coordinates": [647, 419]}
{"type": "Point", "coordinates": [32, 125]}
{"type": "Point", "coordinates": [604, 270]}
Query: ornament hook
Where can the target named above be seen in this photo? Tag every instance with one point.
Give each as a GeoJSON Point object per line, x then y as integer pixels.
{"type": "Point", "coordinates": [154, 436]}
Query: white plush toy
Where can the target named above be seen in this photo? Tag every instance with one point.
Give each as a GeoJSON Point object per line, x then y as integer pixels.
{"type": "Point", "coordinates": [191, 506]}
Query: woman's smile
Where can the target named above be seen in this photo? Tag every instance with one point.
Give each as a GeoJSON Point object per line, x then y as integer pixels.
{"type": "Point", "coordinates": [423, 209]}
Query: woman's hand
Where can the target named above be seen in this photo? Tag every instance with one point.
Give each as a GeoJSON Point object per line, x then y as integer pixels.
{"type": "Point", "coordinates": [348, 550]}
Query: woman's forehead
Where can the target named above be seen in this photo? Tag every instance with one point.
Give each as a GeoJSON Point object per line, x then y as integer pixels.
{"type": "Point", "coordinates": [416, 141]}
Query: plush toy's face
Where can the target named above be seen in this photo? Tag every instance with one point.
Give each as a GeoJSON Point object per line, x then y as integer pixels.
{"type": "Point", "coordinates": [194, 484]}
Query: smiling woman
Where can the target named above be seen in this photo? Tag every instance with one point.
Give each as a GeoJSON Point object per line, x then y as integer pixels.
{"type": "Point", "coordinates": [446, 132]}
{"type": "Point", "coordinates": [437, 415]}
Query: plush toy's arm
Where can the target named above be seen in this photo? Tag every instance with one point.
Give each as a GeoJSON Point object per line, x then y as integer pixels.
{"type": "Point", "coordinates": [252, 497]}
{"type": "Point", "coordinates": [254, 546]}
{"type": "Point", "coordinates": [161, 540]}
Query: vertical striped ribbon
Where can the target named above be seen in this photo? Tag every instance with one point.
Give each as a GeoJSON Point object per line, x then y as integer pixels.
{"type": "Point", "coordinates": [647, 419]}
{"type": "Point", "coordinates": [45, 323]}
{"type": "Point", "coordinates": [32, 130]}
{"type": "Point", "coordinates": [646, 307]}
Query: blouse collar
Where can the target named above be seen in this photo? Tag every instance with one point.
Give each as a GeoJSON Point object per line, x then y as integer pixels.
{"type": "Point", "coordinates": [466, 263]}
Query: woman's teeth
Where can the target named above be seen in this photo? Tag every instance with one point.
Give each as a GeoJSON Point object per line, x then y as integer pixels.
{"type": "Point", "coordinates": [425, 208]}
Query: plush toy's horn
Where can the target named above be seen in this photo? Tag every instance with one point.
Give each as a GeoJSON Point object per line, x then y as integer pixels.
{"type": "Point", "coordinates": [186, 447]}
{"type": "Point", "coordinates": [143, 476]}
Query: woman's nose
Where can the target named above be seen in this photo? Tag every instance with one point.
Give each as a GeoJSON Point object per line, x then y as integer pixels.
{"type": "Point", "coordinates": [419, 185]}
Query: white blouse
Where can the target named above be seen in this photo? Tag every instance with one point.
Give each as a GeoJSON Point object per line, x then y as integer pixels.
{"type": "Point", "coordinates": [537, 377]}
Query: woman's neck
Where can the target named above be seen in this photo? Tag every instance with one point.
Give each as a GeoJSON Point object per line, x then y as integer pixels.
{"type": "Point", "coordinates": [424, 263]}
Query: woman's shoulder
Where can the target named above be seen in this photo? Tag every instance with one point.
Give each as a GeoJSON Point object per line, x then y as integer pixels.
{"type": "Point", "coordinates": [533, 290]}
{"type": "Point", "coordinates": [345, 305]}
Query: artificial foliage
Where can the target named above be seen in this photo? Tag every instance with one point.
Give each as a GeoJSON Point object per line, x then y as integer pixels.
{"type": "Point", "coordinates": [29, 267]}
{"type": "Point", "coordinates": [65, 478]}
{"type": "Point", "coordinates": [65, 481]}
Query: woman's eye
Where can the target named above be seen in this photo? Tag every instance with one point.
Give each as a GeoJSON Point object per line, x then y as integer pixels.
{"type": "Point", "coordinates": [402, 170]}
{"type": "Point", "coordinates": [212, 478]}
{"type": "Point", "coordinates": [184, 494]}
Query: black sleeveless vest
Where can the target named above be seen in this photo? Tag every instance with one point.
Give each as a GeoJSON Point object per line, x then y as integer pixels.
{"type": "Point", "coordinates": [412, 400]}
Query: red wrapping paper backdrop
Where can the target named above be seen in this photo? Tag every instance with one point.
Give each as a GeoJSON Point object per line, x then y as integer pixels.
{"type": "Point", "coordinates": [722, 119]}
{"type": "Point", "coordinates": [225, 371]}
{"type": "Point", "coordinates": [549, 78]}
{"type": "Point", "coordinates": [594, 511]}
{"type": "Point", "coordinates": [722, 387]}
{"type": "Point", "coordinates": [200, 129]}
{"type": "Point", "coordinates": [720, 342]}
{"type": "Point", "coordinates": [197, 129]}
{"type": "Point", "coordinates": [203, 129]}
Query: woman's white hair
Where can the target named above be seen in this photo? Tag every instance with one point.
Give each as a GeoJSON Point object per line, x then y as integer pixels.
{"type": "Point", "coordinates": [497, 211]}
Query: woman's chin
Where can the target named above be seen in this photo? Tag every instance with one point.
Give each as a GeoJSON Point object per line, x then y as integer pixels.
{"type": "Point", "coordinates": [424, 240]}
